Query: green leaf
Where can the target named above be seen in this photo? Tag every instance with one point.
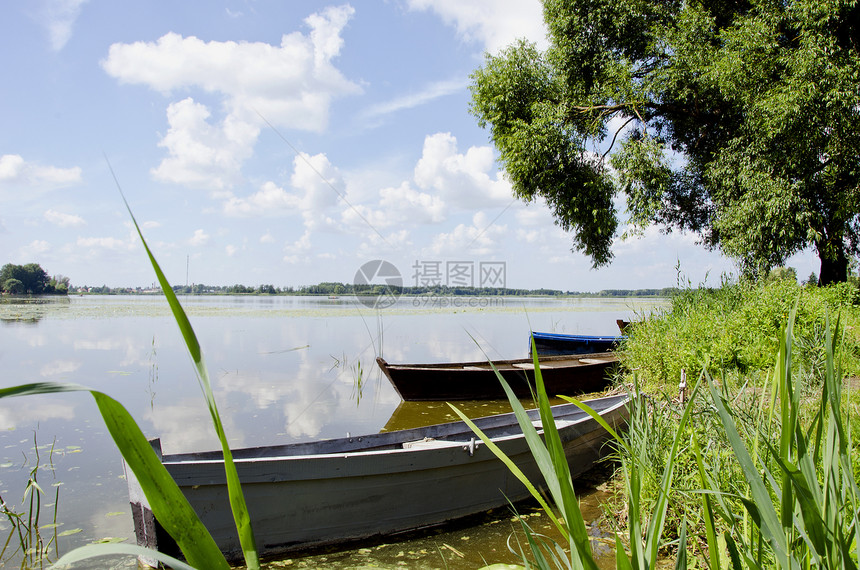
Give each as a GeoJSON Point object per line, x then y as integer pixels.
{"type": "Point", "coordinates": [71, 531]}
{"type": "Point", "coordinates": [167, 502]}
{"type": "Point", "coordinates": [760, 507]}
{"type": "Point", "coordinates": [238, 506]}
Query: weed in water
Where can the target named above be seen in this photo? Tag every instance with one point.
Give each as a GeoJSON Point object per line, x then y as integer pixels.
{"type": "Point", "coordinates": [26, 539]}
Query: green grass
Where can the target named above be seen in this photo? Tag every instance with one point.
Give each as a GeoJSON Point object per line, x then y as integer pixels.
{"type": "Point", "coordinates": [751, 472]}
{"type": "Point", "coordinates": [734, 331]}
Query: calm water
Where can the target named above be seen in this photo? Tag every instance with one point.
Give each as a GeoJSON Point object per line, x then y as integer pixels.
{"type": "Point", "coordinates": [284, 369]}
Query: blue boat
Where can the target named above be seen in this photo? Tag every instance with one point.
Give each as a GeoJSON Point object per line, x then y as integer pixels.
{"type": "Point", "coordinates": [550, 344]}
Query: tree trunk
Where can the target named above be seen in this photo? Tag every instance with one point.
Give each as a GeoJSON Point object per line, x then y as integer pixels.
{"type": "Point", "coordinates": [834, 268]}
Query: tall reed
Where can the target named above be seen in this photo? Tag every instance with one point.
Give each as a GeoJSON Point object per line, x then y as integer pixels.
{"type": "Point", "coordinates": [802, 498]}
{"type": "Point", "coordinates": [563, 505]}
{"type": "Point", "coordinates": [166, 500]}
{"type": "Point", "coordinates": [796, 505]}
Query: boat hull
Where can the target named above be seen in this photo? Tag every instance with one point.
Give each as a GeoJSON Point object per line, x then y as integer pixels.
{"type": "Point", "coordinates": [478, 381]}
{"type": "Point", "coordinates": [550, 344]}
{"type": "Point", "coordinates": [341, 491]}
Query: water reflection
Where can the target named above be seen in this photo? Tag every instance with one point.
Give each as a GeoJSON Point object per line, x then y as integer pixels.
{"type": "Point", "coordinates": [271, 364]}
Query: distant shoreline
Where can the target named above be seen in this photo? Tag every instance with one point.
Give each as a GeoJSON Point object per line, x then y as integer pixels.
{"type": "Point", "coordinates": [405, 291]}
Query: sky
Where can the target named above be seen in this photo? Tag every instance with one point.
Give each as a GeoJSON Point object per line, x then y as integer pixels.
{"type": "Point", "coordinates": [284, 143]}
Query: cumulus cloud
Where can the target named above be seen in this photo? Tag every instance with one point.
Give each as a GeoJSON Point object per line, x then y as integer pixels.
{"type": "Point", "coordinates": [377, 244]}
{"type": "Point", "coordinates": [291, 85]}
{"type": "Point", "coordinates": [199, 238]}
{"type": "Point", "coordinates": [35, 247]}
{"type": "Point", "coordinates": [15, 171]}
{"type": "Point", "coordinates": [270, 199]}
{"type": "Point", "coordinates": [478, 238]}
{"type": "Point", "coordinates": [59, 18]}
{"type": "Point", "coordinates": [297, 251]}
{"type": "Point", "coordinates": [315, 187]}
{"type": "Point", "coordinates": [64, 220]}
{"type": "Point", "coordinates": [105, 243]}
{"type": "Point", "coordinates": [396, 206]}
{"type": "Point", "coordinates": [464, 180]}
{"type": "Point", "coordinates": [494, 24]}
{"type": "Point", "coordinates": [444, 181]}
{"type": "Point", "coordinates": [318, 179]}
{"type": "Point", "coordinates": [201, 155]}
{"type": "Point", "coordinates": [412, 206]}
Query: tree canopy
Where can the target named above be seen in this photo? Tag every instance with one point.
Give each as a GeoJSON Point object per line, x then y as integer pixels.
{"type": "Point", "coordinates": [31, 278]}
{"type": "Point", "coordinates": [736, 120]}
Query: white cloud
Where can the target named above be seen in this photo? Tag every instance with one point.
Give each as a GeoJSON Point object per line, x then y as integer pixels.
{"type": "Point", "coordinates": [412, 206]}
{"type": "Point", "coordinates": [479, 238]}
{"type": "Point", "coordinates": [64, 220]}
{"type": "Point", "coordinates": [35, 247]}
{"type": "Point", "coordinates": [316, 182]}
{"type": "Point", "coordinates": [431, 92]}
{"type": "Point", "coordinates": [291, 85]}
{"type": "Point", "coordinates": [296, 252]}
{"type": "Point", "coordinates": [199, 238]}
{"type": "Point", "coordinates": [231, 250]}
{"type": "Point", "coordinates": [267, 238]}
{"type": "Point", "coordinates": [493, 23]}
{"type": "Point", "coordinates": [377, 245]}
{"type": "Point", "coordinates": [463, 180]}
{"type": "Point", "coordinates": [270, 200]}
{"type": "Point", "coordinates": [15, 171]}
{"type": "Point", "coordinates": [108, 243]}
{"type": "Point", "coordinates": [397, 206]}
{"type": "Point", "coordinates": [201, 155]}
{"type": "Point", "coordinates": [320, 180]}
{"type": "Point", "coordinates": [59, 18]}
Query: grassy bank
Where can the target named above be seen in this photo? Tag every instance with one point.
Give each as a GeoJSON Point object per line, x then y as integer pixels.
{"type": "Point", "coordinates": [765, 361]}
{"type": "Point", "coordinates": [754, 465]}
{"type": "Point", "coordinates": [734, 330]}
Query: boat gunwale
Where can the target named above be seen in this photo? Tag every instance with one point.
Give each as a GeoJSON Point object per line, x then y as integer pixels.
{"type": "Point", "coordinates": [497, 422]}
{"type": "Point", "coordinates": [485, 364]}
{"type": "Point", "coordinates": [577, 337]}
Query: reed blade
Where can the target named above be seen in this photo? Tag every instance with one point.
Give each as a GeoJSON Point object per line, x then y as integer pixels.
{"type": "Point", "coordinates": [166, 500]}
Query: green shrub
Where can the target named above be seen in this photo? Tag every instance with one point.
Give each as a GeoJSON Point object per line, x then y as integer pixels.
{"type": "Point", "coordinates": [735, 328]}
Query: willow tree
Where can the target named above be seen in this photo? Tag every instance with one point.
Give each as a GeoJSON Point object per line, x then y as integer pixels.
{"type": "Point", "coordinates": [739, 121]}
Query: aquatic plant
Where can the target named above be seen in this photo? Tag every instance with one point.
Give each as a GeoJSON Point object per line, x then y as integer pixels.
{"type": "Point", "coordinates": [26, 527]}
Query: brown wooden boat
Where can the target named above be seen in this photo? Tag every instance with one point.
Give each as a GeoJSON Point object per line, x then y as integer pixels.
{"type": "Point", "coordinates": [568, 375]}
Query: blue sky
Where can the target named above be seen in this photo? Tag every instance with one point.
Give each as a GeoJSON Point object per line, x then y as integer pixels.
{"type": "Point", "coordinates": [275, 142]}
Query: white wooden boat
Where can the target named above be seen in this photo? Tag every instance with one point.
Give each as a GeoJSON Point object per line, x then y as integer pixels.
{"type": "Point", "coordinates": [338, 491]}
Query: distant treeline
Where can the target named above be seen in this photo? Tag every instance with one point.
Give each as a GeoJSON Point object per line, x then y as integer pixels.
{"type": "Point", "coordinates": [337, 289]}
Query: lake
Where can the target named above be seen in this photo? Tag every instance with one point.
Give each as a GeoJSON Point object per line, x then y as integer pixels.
{"type": "Point", "coordinates": [284, 369]}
